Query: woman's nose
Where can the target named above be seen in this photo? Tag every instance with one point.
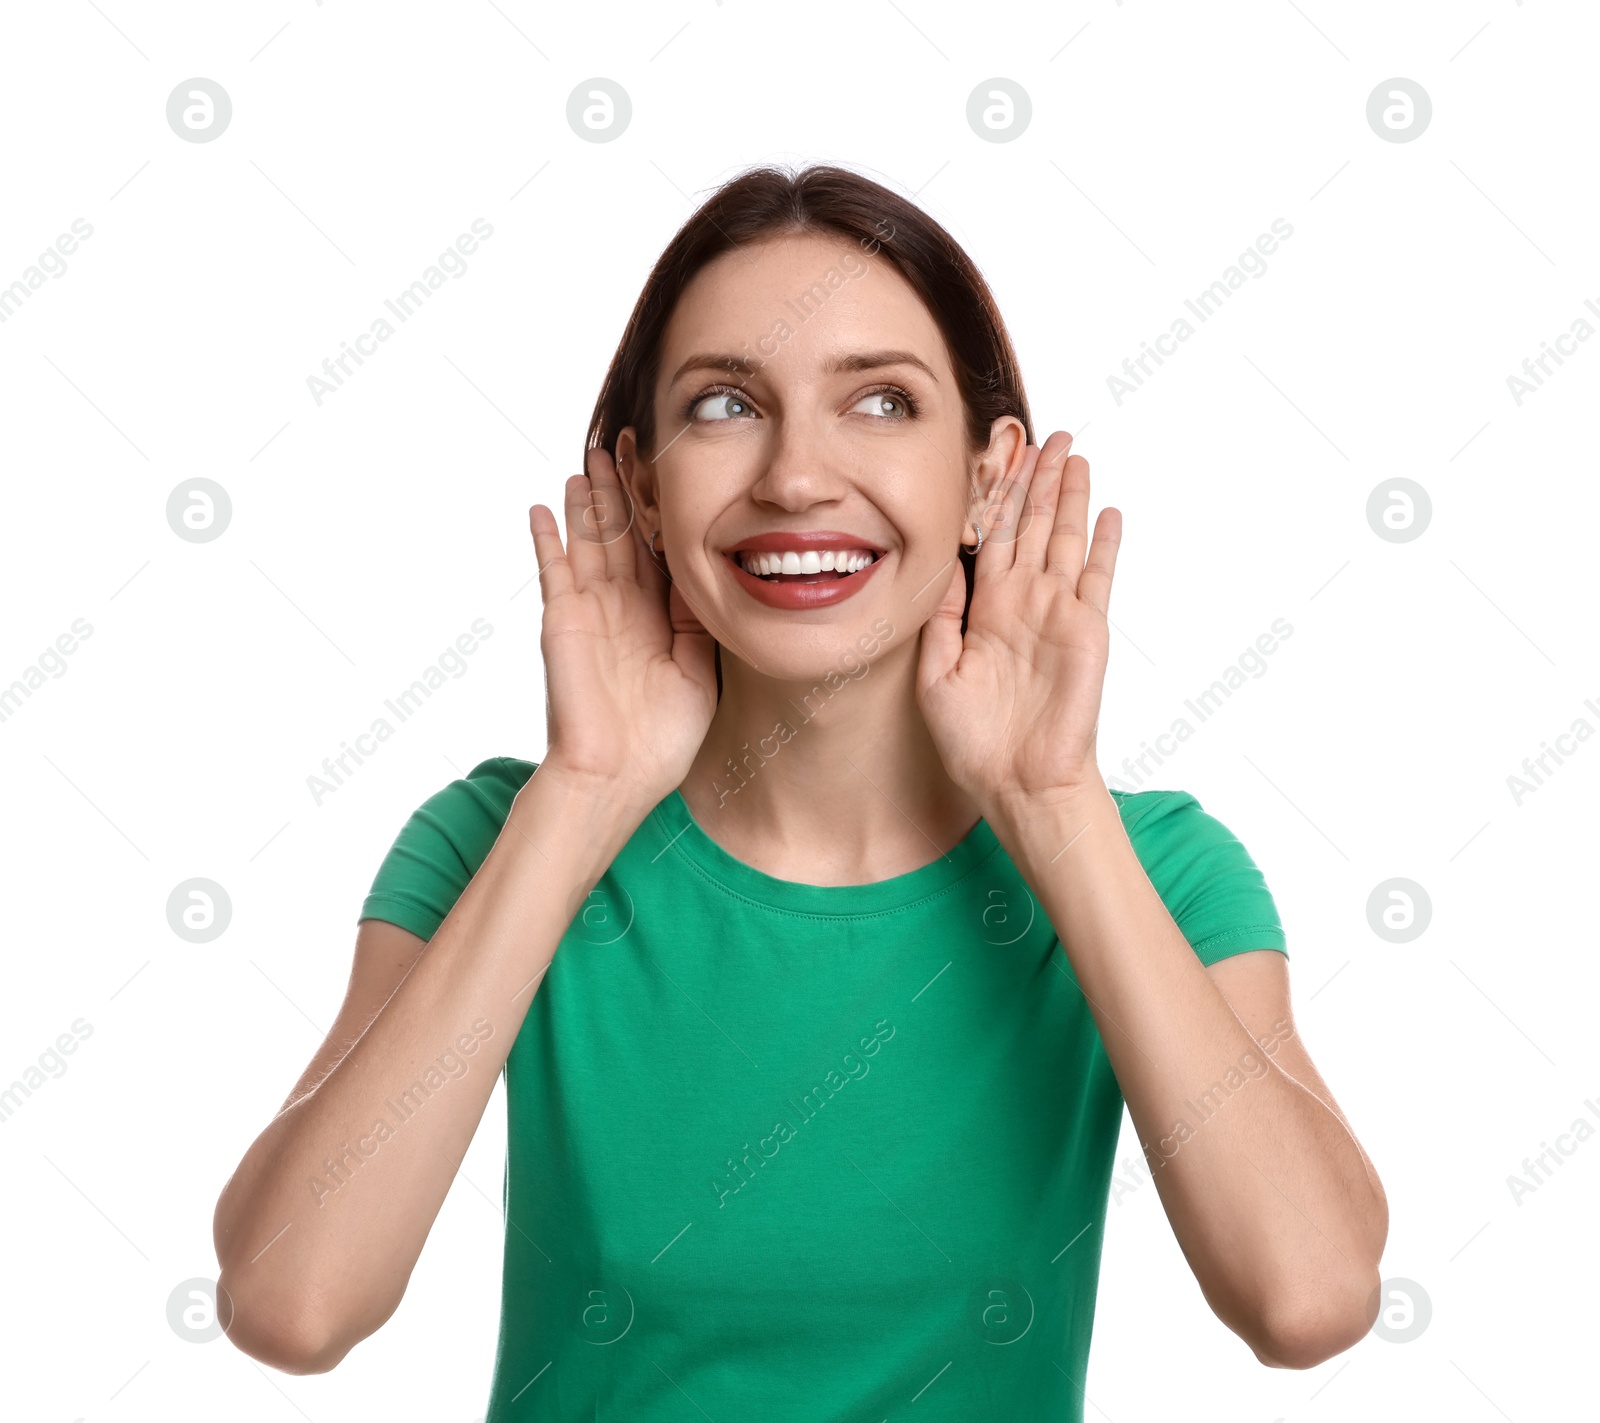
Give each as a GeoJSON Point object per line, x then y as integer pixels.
{"type": "Point", "coordinates": [804, 464]}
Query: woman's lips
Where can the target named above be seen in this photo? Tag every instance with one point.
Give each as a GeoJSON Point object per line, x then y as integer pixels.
{"type": "Point", "coordinates": [795, 591]}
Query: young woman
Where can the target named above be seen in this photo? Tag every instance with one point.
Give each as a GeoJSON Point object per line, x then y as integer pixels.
{"type": "Point", "coordinates": [819, 958]}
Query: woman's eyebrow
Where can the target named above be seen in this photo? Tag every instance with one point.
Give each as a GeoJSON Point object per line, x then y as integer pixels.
{"type": "Point", "coordinates": [854, 361]}
{"type": "Point", "coordinates": [711, 361]}
{"type": "Point", "coordinates": [872, 360]}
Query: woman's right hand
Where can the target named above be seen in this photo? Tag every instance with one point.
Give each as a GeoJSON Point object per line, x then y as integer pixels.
{"type": "Point", "coordinates": [630, 679]}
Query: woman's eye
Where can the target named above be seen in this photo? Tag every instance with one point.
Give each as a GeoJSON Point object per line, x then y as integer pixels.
{"type": "Point", "coordinates": [731, 405]}
{"type": "Point", "coordinates": [885, 403]}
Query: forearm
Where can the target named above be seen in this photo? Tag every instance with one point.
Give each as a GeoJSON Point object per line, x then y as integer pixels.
{"type": "Point", "coordinates": [320, 1227]}
{"type": "Point", "coordinates": [1267, 1191]}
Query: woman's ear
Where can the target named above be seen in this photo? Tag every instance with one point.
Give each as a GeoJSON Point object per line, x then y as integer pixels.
{"type": "Point", "coordinates": [637, 476]}
{"type": "Point", "coordinates": [996, 466]}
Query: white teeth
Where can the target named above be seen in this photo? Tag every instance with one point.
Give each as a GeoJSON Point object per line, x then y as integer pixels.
{"type": "Point", "coordinates": [811, 561]}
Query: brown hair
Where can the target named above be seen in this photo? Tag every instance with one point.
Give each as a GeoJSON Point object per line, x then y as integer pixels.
{"type": "Point", "coordinates": [767, 202]}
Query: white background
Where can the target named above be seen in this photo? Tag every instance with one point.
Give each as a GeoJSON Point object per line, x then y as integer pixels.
{"type": "Point", "coordinates": [368, 532]}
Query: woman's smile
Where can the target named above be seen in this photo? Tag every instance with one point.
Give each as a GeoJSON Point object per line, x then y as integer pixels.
{"type": "Point", "coordinates": [808, 568]}
{"type": "Point", "coordinates": [801, 587]}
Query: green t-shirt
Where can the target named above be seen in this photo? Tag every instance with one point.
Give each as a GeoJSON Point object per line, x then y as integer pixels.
{"type": "Point", "coordinates": [805, 1152]}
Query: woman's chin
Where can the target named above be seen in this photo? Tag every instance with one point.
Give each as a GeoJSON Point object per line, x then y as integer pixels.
{"type": "Point", "coordinates": [812, 654]}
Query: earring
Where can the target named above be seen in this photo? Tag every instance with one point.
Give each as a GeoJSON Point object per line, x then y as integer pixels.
{"type": "Point", "coordinates": [979, 548]}
{"type": "Point", "coordinates": [659, 555]}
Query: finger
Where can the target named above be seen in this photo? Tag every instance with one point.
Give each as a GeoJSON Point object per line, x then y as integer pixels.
{"type": "Point", "coordinates": [584, 551]}
{"type": "Point", "coordinates": [555, 575]}
{"type": "Point", "coordinates": [941, 634]}
{"type": "Point", "coordinates": [610, 517]}
{"type": "Point", "coordinates": [1044, 497]}
{"type": "Point", "coordinates": [1094, 587]}
{"type": "Point", "coordinates": [1004, 516]}
{"type": "Point", "coordinates": [1066, 533]}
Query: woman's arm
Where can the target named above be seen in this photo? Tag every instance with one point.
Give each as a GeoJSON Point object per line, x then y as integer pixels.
{"type": "Point", "coordinates": [319, 1228]}
{"type": "Point", "coordinates": [385, 954]}
{"type": "Point", "coordinates": [1256, 986]}
{"type": "Point", "coordinates": [1271, 1197]}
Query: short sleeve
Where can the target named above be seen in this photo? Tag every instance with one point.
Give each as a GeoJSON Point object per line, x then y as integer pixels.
{"type": "Point", "coordinates": [1212, 888]}
{"type": "Point", "coordinates": [441, 846]}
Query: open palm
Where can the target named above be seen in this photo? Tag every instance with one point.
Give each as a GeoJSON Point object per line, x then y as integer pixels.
{"type": "Point", "coordinates": [629, 669]}
{"type": "Point", "coordinates": [1013, 706]}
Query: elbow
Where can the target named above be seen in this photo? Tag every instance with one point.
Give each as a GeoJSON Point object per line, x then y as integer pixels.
{"type": "Point", "coordinates": [1308, 1329]}
{"type": "Point", "coordinates": [290, 1354]}
{"type": "Point", "coordinates": [288, 1338]}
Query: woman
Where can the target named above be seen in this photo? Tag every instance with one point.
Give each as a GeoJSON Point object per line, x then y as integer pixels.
{"type": "Point", "coordinates": [819, 958]}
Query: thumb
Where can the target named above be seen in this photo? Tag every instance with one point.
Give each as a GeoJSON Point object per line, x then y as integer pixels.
{"type": "Point", "coordinates": [941, 634]}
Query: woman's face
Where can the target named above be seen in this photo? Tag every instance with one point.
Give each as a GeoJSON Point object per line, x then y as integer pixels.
{"type": "Point", "coordinates": [803, 389]}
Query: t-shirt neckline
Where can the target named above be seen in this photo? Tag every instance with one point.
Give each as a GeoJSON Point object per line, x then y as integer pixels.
{"type": "Point", "coordinates": [685, 835]}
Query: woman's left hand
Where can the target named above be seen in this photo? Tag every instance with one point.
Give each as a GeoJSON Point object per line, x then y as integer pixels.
{"type": "Point", "coordinates": [1014, 706]}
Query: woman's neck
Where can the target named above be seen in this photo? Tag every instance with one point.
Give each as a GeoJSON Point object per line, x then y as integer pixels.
{"type": "Point", "coordinates": [834, 781]}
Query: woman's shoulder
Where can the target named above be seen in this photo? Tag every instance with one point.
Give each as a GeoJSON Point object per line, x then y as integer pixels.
{"type": "Point", "coordinates": [506, 770]}
{"type": "Point", "coordinates": [442, 844]}
{"type": "Point", "coordinates": [487, 790]}
{"type": "Point", "coordinates": [1135, 806]}
{"type": "Point", "coordinates": [462, 818]}
{"type": "Point", "coordinates": [488, 786]}
{"type": "Point", "coordinates": [1166, 818]}
{"type": "Point", "coordinates": [1206, 877]}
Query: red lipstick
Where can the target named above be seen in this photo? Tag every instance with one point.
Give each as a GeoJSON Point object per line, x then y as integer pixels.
{"type": "Point", "coordinates": [798, 591]}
